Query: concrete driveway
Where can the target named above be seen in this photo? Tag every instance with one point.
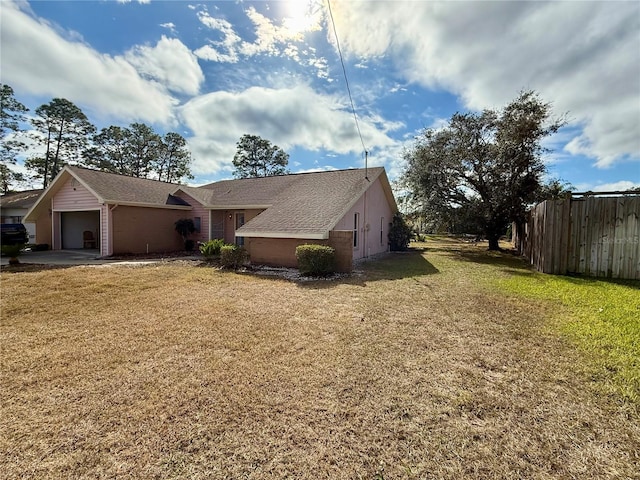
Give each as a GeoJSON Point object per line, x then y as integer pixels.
{"type": "Point", "coordinates": [70, 257]}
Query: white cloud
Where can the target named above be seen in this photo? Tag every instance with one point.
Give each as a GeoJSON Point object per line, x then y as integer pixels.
{"type": "Point", "coordinates": [270, 37]}
{"type": "Point", "coordinates": [616, 186]}
{"type": "Point", "coordinates": [271, 40]}
{"type": "Point", "coordinates": [224, 50]}
{"type": "Point", "coordinates": [288, 117]}
{"type": "Point", "coordinates": [582, 56]}
{"type": "Point", "coordinates": [108, 85]}
{"type": "Point", "coordinates": [171, 63]}
{"type": "Point", "coordinates": [169, 26]}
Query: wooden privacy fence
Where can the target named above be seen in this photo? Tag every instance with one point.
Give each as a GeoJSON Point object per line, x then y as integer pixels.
{"type": "Point", "coordinates": [595, 236]}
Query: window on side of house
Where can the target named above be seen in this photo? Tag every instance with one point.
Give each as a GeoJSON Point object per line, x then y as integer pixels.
{"type": "Point", "coordinates": [197, 223]}
{"type": "Point", "coordinates": [381, 230]}
{"type": "Point", "coordinates": [239, 223]}
{"type": "Point", "coordinates": [356, 227]}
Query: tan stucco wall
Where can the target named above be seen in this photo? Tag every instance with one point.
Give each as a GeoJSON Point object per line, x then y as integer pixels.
{"type": "Point", "coordinates": [282, 251]}
{"type": "Point", "coordinates": [230, 222]}
{"type": "Point", "coordinates": [43, 229]}
{"type": "Point", "coordinates": [136, 229]}
{"type": "Point", "coordinates": [342, 241]}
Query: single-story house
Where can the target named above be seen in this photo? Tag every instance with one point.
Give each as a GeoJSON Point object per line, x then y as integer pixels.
{"type": "Point", "coordinates": [14, 207]}
{"type": "Point", "coordinates": [350, 210]}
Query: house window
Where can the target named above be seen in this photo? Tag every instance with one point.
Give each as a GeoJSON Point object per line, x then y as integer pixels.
{"type": "Point", "coordinates": [239, 223]}
{"type": "Point", "coordinates": [356, 227]}
{"type": "Point", "coordinates": [197, 223]}
{"type": "Point", "coordinates": [381, 230]}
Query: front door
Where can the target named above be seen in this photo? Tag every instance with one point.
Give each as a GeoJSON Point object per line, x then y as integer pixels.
{"type": "Point", "coordinates": [239, 223]}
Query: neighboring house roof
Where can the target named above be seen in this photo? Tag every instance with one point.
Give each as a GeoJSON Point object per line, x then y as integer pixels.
{"type": "Point", "coordinates": [23, 199]}
{"type": "Point", "coordinates": [303, 205]}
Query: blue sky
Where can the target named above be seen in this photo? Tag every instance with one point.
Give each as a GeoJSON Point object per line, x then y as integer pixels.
{"type": "Point", "coordinates": [213, 71]}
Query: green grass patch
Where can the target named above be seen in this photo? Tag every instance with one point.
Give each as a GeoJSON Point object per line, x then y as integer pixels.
{"type": "Point", "coordinates": [601, 316]}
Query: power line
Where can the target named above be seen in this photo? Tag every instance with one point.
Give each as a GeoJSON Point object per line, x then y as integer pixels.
{"type": "Point", "coordinates": [344, 71]}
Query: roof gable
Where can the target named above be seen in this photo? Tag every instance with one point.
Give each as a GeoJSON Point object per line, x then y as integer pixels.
{"type": "Point", "coordinates": [312, 204]}
{"type": "Point", "coordinates": [110, 188]}
{"type": "Point", "coordinates": [122, 189]}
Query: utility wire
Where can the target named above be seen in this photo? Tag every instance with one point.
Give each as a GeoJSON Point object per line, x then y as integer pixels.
{"type": "Point", "coordinates": [344, 71]}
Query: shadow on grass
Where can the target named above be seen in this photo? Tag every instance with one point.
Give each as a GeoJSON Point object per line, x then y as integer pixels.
{"type": "Point", "coordinates": [504, 258]}
{"type": "Point", "coordinates": [389, 266]}
{"type": "Point", "coordinates": [397, 265]}
{"type": "Point", "coordinates": [585, 280]}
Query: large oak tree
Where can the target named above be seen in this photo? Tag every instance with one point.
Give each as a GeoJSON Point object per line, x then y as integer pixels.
{"type": "Point", "coordinates": [487, 166]}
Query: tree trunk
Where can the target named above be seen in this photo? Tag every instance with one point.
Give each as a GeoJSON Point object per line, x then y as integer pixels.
{"type": "Point", "coordinates": [493, 242]}
{"type": "Point", "coordinates": [518, 236]}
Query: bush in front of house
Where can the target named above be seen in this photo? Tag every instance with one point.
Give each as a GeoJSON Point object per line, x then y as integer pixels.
{"type": "Point", "coordinates": [316, 260]}
{"type": "Point", "coordinates": [186, 227]}
{"type": "Point", "coordinates": [13, 252]}
{"type": "Point", "coordinates": [399, 234]}
{"type": "Point", "coordinates": [211, 248]}
{"type": "Point", "coordinates": [233, 256]}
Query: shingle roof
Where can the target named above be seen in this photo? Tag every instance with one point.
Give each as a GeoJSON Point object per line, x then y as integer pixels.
{"type": "Point", "coordinates": [310, 204]}
{"type": "Point", "coordinates": [303, 205]}
{"type": "Point", "coordinates": [114, 188]}
{"type": "Point", "coordinates": [297, 205]}
{"type": "Point", "coordinates": [249, 191]}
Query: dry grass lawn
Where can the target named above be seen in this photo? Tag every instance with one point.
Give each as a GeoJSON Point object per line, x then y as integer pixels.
{"type": "Point", "coordinates": [416, 368]}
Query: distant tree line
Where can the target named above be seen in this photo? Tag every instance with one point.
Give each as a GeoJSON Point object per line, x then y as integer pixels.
{"type": "Point", "coordinates": [67, 137]}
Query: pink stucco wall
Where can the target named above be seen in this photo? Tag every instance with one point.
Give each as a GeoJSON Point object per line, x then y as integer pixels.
{"type": "Point", "coordinates": [197, 211]}
{"type": "Point", "coordinates": [375, 215]}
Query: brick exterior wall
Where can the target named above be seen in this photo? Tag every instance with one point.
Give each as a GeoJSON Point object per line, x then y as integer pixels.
{"type": "Point", "coordinates": [282, 251]}
{"type": "Point", "coordinates": [135, 228]}
{"type": "Point", "coordinates": [342, 241]}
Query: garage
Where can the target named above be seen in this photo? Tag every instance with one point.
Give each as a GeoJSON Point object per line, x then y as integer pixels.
{"type": "Point", "coordinates": [74, 224]}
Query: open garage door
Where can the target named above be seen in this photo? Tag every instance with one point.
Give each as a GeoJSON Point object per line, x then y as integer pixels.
{"type": "Point", "coordinates": [73, 226]}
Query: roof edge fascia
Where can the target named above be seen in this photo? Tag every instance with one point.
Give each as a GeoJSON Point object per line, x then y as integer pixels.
{"type": "Point", "coordinates": [236, 207]}
{"type": "Point", "coordinates": [303, 236]}
{"type": "Point", "coordinates": [147, 205]}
